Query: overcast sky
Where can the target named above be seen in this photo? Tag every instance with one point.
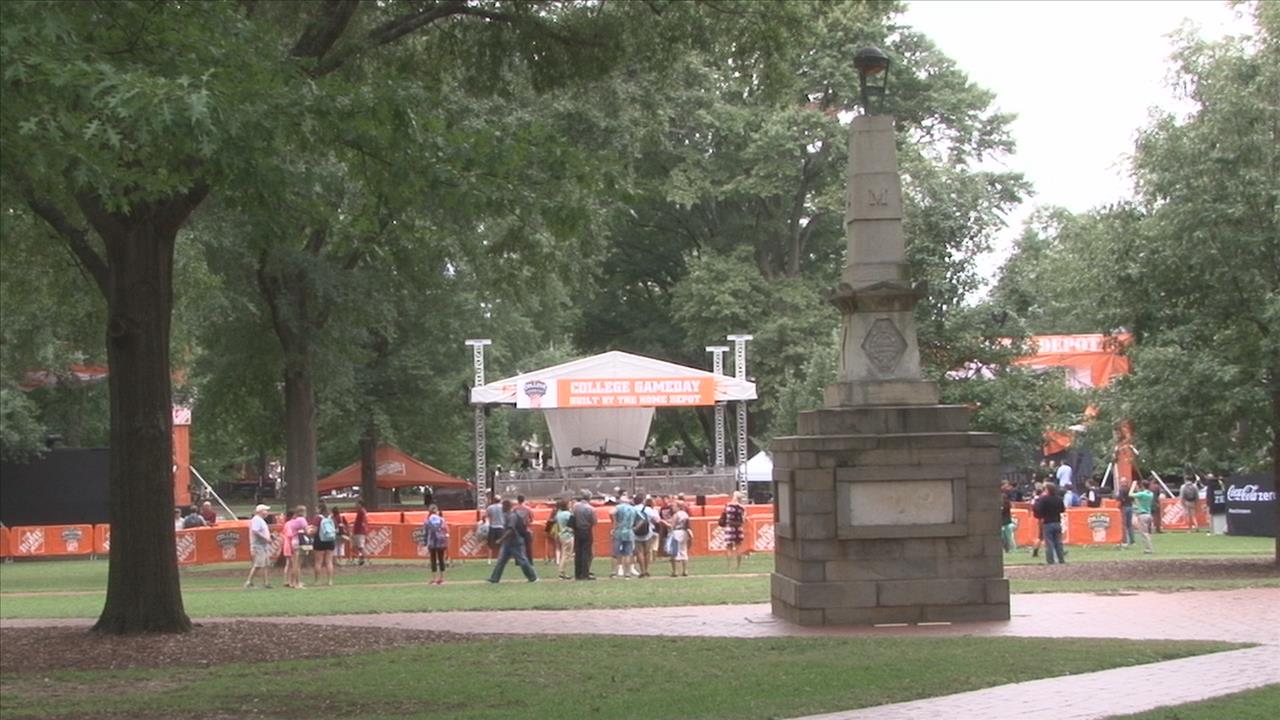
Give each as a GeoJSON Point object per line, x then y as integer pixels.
{"type": "Point", "coordinates": [1080, 74]}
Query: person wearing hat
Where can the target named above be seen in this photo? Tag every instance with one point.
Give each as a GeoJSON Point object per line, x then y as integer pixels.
{"type": "Point", "coordinates": [259, 546]}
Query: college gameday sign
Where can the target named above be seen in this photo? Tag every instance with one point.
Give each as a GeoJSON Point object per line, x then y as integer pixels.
{"type": "Point", "coordinates": [1251, 501]}
{"type": "Point", "coordinates": [616, 392]}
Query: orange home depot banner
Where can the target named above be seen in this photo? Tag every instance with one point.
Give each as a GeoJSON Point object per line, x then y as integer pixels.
{"type": "Point", "coordinates": [205, 546]}
{"type": "Point", "coordinates": [632, 392]}
{"type": "Point", "coordinates": [1025, 529]}
{"type": "Point", "coordinates": [1092, 526]}
{"type": "Point", "coordinates": [1174, 517]}
{"type": "Point", "coordinates": [759, 534]}
{"type": "Point", "coordinates": [4, 542]}
{"type": "Point", "coordinates": [465, 542]}
{"type": "Point", "coordinates": [380, 541]}
{"type": "Point", "coordinates": [102, 539]}
{"type": "Point", "coordinates": [51, 540]}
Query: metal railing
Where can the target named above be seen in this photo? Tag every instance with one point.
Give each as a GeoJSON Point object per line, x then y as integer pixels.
{"type": "Point", "coordinates": [535, 484]}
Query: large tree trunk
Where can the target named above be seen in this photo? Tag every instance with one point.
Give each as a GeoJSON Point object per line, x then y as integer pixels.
{"type": "Point", "coordinates": [369, 467]}
{"type": "Point", "coordinates": [299, 429]}
{"type": "Point", "coordinates": [1275, 454]}
{"type": "Point", "coordinates": [143, 588]}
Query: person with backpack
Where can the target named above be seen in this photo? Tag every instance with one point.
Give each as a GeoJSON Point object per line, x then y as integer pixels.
{"type": "Point", "coordinates": [642, 529]}
{"type": "Point", "coordinates": [1189, 496]}
{"type": "Point", "coordinates": [435, 535]}
{"type": "Point", "coordinates": [322, 548]}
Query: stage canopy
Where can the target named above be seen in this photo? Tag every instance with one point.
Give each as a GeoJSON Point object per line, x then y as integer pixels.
{"type": "Point", "coordinates": [605, 402]}
{"type": "Point", "coordinates": [396, 469]}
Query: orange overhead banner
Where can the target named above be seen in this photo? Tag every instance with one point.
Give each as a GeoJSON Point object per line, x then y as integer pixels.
{"type": "Point", "coordinates": [1091, 360]}
{"type": "Point", "coordinates": [636, 392]}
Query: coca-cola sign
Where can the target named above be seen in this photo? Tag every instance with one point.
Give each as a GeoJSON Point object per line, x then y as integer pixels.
{"type": "Point", "coordinates": [1251, 503]}
{"type": "Point", "coordinates": [1249, 493]}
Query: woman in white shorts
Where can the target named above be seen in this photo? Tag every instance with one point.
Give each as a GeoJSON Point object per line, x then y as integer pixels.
{"type": "Point", "coordinates": [678, 541]}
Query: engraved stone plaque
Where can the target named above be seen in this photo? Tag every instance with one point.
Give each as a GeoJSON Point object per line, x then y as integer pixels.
{"type": "Point", "coordinates": [915, 502]}
{"type": "Point", "coordinates": [884, 345]}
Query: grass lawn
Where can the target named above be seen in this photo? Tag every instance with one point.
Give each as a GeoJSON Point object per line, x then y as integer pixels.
{"type": "Point", "coordinates": [76, 588]}
{"type": "Point", "coordinates": [1260, 704]}
{"type": "Point", "coordinates": [1168, 546]}
{"type": "Point", "coordinates": [561, 677]}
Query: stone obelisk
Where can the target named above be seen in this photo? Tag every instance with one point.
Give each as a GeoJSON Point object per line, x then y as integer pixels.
{"type": "Point", "coordinates": [888, 508]}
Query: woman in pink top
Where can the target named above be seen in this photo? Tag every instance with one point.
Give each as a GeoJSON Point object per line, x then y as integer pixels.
{"type": "Point", "coordinates": [294, 528]}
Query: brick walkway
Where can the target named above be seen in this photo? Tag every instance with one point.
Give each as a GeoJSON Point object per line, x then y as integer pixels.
{"type": "Point", "coordinates": [1250, 616]}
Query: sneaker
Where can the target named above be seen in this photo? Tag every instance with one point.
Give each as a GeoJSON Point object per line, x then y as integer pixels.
{"type": "Point", "coordinates": [266, 587]}
{"type": "Point", "coordinates": [250, 586]}
{"type": "Point", "coordinates": [491, 581]}
{"type": "Point", "coordinates": [534, 580]}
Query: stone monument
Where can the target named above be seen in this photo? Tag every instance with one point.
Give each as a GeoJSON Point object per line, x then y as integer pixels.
{"type": "Point", "coordinates": [887, 507]}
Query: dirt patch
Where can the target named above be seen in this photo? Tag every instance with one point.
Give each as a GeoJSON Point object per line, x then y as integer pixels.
{"type": "Point", "coordinates": [50, 649]}
{"type": "Point", "coordinates": [1120, 571]}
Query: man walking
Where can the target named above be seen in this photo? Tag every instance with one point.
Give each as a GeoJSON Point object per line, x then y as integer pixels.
{"type": "Point", "coordinates": [584, 523]}
{"type": "Point", "coordinates": [259, 547]}
{"type": "Point", "coordinates": [496, 519]}
{"type": "Point", "coordinates": [511, 545]}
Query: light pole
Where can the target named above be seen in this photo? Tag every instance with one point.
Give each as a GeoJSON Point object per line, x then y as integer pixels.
{"type": "Point", "coordinates": [740, 372]}
{"type": "Point", "coordinates": [873, 77]}
{"type": "Point", "coordinates": [717, 365]}
{"type": "Point", "coordinates": [477, 360]}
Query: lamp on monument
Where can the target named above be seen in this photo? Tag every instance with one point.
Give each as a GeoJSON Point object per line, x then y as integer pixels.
{"type": "Point", "coordinates": [873, 75]}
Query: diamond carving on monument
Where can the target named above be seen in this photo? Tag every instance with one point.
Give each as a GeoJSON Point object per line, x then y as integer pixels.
{"type": "Point", "coordinates": [884, 345]}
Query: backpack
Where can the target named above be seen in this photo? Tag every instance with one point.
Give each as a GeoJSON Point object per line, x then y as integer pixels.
{"type": "Point", "coordinates": [1189, 492]}
{"type": "Point", "coordinates": [328, 532]}
{"type": "Point", "coordinates": [433, 534]}
{"type": "Point", "coordinates": [641, 527]}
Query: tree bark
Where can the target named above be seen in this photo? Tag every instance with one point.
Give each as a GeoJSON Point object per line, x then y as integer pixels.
{"type": "Point", "coordinates": [1275, 454]}
{"type": "Point", "coordinates": [369, 467]}
{"type": "Point", "coordinates": [299, 428]}
{"type": "Point", "coordinates": [144, 592]}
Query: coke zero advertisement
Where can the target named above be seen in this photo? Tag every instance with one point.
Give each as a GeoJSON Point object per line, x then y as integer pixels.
{"type": "Point", "coordinates": [1251, 505]}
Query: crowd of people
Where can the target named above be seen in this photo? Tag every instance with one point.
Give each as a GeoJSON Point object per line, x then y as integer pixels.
{"type": "Point", "coordinates": [644, 528]}
{"type": "Point", "coordinates": [1054, 492]}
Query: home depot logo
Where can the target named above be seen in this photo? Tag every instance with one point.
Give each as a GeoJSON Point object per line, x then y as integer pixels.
{"type": "Point", "coordinates": [716, 540]}
{"type": "Point", "coordinates": [229, 541]}
{"type": "Point", "coordinates": [1099, 523]}
{"type": "Point", "coordinates": [472, 543]}
{"type": "Point", "coordinates": [185, 543]}
{"type": "Point", "coordinates": [378, 541]}
{"type": "Point", "coordinates": [419, 538]}
{"type": "Point", "coordinates": [31, 542]}
{"type": "Point", "coordinates": [71, 539]}
{"type": "Point", "coordinates": [764, 538]}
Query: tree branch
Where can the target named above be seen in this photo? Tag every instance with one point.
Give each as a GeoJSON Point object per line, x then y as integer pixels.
{"type": "Point", "coordinates": [76, 238]}
{"type": "Point", "coordinates": [330, 23]}
{"type": "Point", "coordinates": [387, 33]}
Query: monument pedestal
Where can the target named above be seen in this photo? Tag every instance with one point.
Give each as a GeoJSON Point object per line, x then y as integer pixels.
{"type": "Point", "coordinates": [887, 514]}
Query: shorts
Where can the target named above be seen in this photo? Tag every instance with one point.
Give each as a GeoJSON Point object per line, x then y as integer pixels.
{"type": "Point", "coordinates": [495, 535]}
{"type": "Point", "coordinates": [624, 548]}
{"type": "Point", "coordinates": [323, 545]}
{"type": "Point", "coordinates": [357, 542]}
{"type": "Point", "coordinates": [261, 555]}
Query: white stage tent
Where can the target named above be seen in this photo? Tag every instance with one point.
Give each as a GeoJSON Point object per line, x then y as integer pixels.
{"type": "Point", "coordinates": [760, 468]}
{"type": "Point", "coordinates": [605, 402]}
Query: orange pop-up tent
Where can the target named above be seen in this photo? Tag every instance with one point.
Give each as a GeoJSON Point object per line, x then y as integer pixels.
{"type": "Point", "coordinates": [396, 469]}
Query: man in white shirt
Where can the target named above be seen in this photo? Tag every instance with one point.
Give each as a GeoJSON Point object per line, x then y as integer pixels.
{"type": "Point", "coordinates": [259, 546]}
{"type": "Point", "coordinates": [1064, 476]}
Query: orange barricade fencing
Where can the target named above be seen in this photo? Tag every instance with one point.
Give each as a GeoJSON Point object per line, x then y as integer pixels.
{"type": "Point", "coordinates": [1110, 503]}
{"type": "Point", "coordinates": [415, 518]}
{"type": "Point", "coordinates": [51, 540]}
{"type": "Point", "coordinates": [1025, 527]}
{"type": "Point", "coordinates": [1174, 517]}
{"type": "Point", "coordinates": [1092, 526]}
{"type": "Point", "coordinates": [102, 539]}
{"type": "Point", "coordinates": [4, 542]}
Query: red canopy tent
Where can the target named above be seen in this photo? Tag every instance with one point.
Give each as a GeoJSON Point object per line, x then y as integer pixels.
{"type": "Point", "coordinates": [396, 469]}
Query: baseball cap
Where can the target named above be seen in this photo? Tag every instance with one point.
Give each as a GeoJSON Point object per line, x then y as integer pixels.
{"type": "Point", "coordinates": [262, 508]}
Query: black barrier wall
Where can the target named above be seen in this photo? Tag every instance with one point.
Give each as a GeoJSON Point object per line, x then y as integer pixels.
{"type": "Point", "coordinates": [65, 487]}
{"type": "Point", "coordinates": [1251, 501]}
